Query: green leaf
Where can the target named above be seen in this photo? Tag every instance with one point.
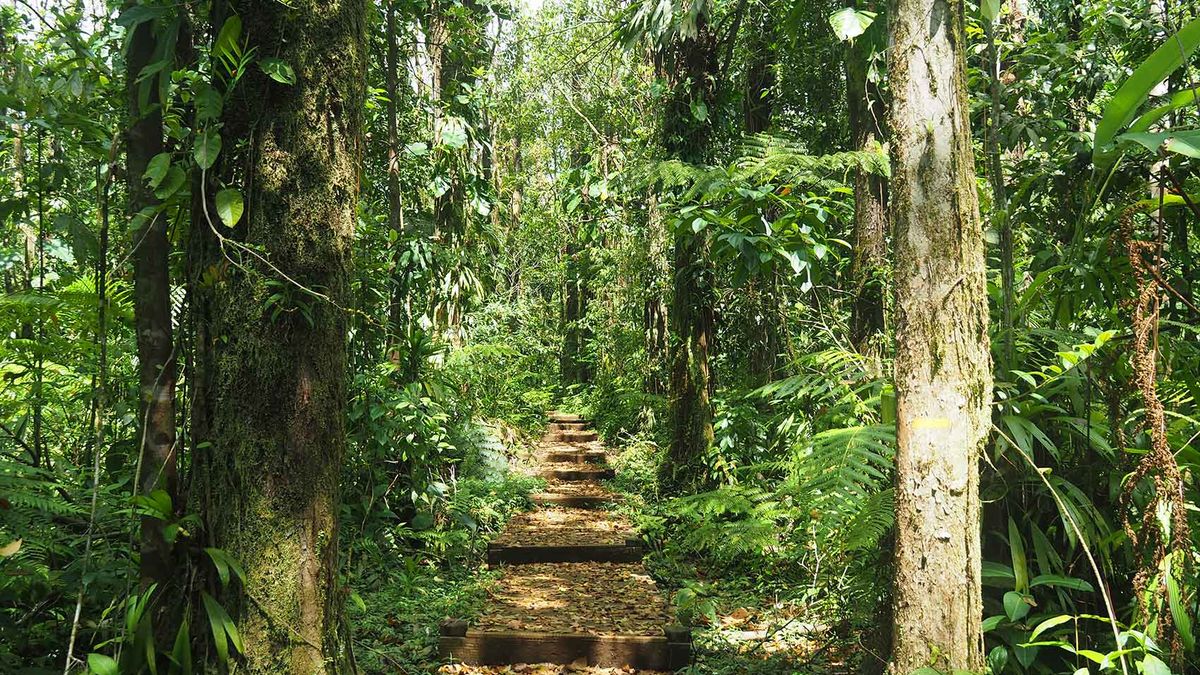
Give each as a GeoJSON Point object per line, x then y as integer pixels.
{"type": "Point", "coordinates": [1048, 624]}
{"type": "Point", "coordinates": [156, 169]}
{"type": "Point", "coordinates": [102, 664]}
{"type": "Point", "coordinates": [993, 622]}
{"type": "Point", "coordinates": [1185, 143]}
{"type": "Point", "coordinates": [1016, 547]}
{"type": "Point", "coordinates": [223, 629]}
{"type": "Point", "coordinates": [1059, 581]}
{"type": "Point", "coordinates": [1179, 613]}
{"type": "Point", "coordinates": [175, 180]}
{"type": "Point", "coordinates": [990, 9]}
{"type": "Point", "coordinates": [1123, 106]}
{"type": "Point", "coordinates": [1152, 665]}
{"type": "Point", "coordinates": [454, 133]}
{"type": "Point", "coordinates": [208, 104]}
{"type": "Point", "coordinates": [208, 146]}
{"type": "Point", "coordinates": [848, 23]}
{"type": "Point", "coordinates": [139, 14]}
{"type": "Point", "coordinates": [230, 206]}
{"type": "Point", "coordinates": [1178, 100]}
{"type": "Point", "coordinates": [699, 110]}
{"type": "Point", "coordinates": [277, 69]}
{"type": "Point", "coordinates": [1016, 605]}
{"type": "Point", "coordinates": [181, 651]}
{"type": "Point", "coordinates": [226, 44]}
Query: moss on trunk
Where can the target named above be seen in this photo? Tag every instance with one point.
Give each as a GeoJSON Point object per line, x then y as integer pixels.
{"type": "Point", "coordinates": [267, 478]}
{"type": "Point", "coordinates": [943, 362]}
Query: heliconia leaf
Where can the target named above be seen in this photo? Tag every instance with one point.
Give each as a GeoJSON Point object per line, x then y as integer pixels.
{"type": "Point", "coordinates": [1185, 143]}
{"type": "Point", "coordinates": [1123, 106]}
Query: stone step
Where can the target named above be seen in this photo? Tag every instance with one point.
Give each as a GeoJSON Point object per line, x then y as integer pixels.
{"type": "Point", "coordinates": [669, 651]}
{"type": "Point", "coordinates": [630, 551]}
{"type": "Point", "coordinates": [555, 416]}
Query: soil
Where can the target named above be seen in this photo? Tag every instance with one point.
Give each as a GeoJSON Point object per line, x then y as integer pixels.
{"type": "Point", "coordinates": [592, 597]}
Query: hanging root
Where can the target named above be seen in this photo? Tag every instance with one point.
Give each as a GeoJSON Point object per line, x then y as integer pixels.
{"type": "Point", "coordinates": [1151, 543]}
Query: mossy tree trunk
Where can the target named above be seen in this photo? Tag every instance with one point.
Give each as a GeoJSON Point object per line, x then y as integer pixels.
{"type": "Point", "coordinates": [690, 65]}
{"type": "Point", "coordinates": [942, 366]}
{"type": "Point", "coordinates": [275, 337]}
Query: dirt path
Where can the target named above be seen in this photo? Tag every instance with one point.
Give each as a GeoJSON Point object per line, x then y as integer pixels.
{"type": "Point", "coordinates": [573, 596]}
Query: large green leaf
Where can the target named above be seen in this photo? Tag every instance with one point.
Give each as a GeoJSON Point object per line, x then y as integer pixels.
{"type": "Point", "coordinates": [1185, 143]}
{"type": "Point", "coordinates": [1123, 106]}
{"type": "Point", "coordinates": [230, 207]}
{"type": "Point", "coordinates": [848, 23]}
{"type": "Point", "coordinates": [208, 146]}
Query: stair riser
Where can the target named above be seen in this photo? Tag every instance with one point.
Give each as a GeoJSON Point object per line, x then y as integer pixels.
{"type": "Point", "coordinates": [578, 475]}
{"type": "Point", "coordinates": [572, 437]}
{"type": "Point", "coordinates": [575, 456]}
{"type": "Point", "coordinates": [523, 555]}
{"type": "Point", "coordinates": [572, 501]}
{"type": "Point", "coordinates": [496, 648]}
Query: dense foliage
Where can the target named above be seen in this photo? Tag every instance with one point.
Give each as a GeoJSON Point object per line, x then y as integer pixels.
{"type": "Point", "coordinates": [520, 196]}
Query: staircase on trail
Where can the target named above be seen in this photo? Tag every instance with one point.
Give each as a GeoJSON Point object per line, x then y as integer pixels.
{"type": "Point", "coordinates": [572, 589]}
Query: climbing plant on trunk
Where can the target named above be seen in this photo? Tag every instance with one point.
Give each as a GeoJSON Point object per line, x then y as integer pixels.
{"type": "Point", "coordinates": [942, 362]}
{"type": "Point", "coordinates": [268, 466]}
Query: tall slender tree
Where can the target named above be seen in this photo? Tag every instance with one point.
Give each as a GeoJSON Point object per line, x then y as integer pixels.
{"type": "Point", "coordinates": [151, 297]}
{"type": "Point", "coordinates": [867, 117]}
{"type": "Point", "coordinates": [943, 364]}
{"type": "Point", "coordinates": [275, 389]}
{"type": "Point", "coordinates": [690, 64]}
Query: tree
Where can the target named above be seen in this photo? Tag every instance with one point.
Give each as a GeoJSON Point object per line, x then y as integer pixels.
{"type": "Point", "coordinates": [867, 112]}
{"type": "Point", "coordinates": [689, 63]}
{"type": "Point", "coordinates": [942, 363]}
{"type": "Point", "coordinates": [152, 299]}
{"type": "Point", "coordinates": [273, 428]}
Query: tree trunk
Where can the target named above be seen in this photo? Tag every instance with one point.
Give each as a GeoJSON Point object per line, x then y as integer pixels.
{"type": "Point", "coordinates": [152, 303]}
{"type": "Point", "coordinates": [868, 270]}
{"type": "Point", "coordinates": [396, 312]}
{"type": "Point", "coordinates": [654, 311]}
{"type": "Point", "coordinates": [267, 484]}
{"type": "Point", "coordinates": [686, 134]}
{"type": "Point", "coordinates": [1000, 195]}
{"type": "Point", "coordinates": [943, 378]}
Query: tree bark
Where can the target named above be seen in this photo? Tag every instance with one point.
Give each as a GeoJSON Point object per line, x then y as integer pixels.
{"type": "Point", "coordinates": [942, 365]}
{"type": "Point", "coordinates": [267, 481]}
{"type": "Point", "coordinates": [151, 303]}
{"type": "Point", "coordinates": [868, 268]}
{"type": "Point", "coordinates": [686, 133]}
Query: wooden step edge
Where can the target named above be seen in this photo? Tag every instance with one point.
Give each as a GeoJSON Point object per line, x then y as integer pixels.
{"type": "Point", "coordinates": [578, 475]}
{"type": "Point", "coordinates": [580, 456]}
{"type": "Point", "coordinates": [574, 501]}
{"type": "Point", "coordinates": [571, 437]}
{"type": "Point", "coordinates": [669, 651]}
{"type": "Point", "coordinates": [517, 554]}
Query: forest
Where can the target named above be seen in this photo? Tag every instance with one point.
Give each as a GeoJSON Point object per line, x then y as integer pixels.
{"type": "Point", "coordinates": [599, 336]}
